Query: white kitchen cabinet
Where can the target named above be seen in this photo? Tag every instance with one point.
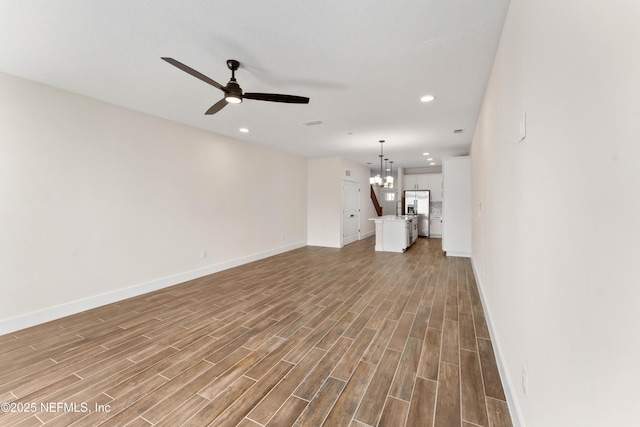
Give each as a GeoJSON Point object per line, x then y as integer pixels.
{"type": "Point", "coordinates": [435, 187]}
{"type": "Point", "coordinates": [414, 229]}
{"type": "Point", "coordinates": [410, 182]}
{"type": "Point", "coordinates": [396, 236]}
{"type": "Point", "coordinates": [417, 181]}
{"type": "Point", "coordinates": [425, 181]}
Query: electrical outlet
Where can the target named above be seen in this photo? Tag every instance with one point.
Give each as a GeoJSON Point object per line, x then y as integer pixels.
{"type": "Point", "coordinates": [203, 253]}
{"type": "Point", "coordinates": [524, 380]}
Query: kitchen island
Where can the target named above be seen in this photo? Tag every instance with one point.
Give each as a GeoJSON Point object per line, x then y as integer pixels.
{"type": "Point", "coordinates": [395, 233]}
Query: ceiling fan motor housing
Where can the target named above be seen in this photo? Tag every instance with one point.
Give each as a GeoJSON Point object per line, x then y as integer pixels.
{"type": "Point", "coordinates": [233, 91]}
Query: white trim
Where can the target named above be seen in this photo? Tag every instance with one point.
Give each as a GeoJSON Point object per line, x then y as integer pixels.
{"type": "Point", "coordinates": [324, 244]}
{"type": "Point", "coordinates": [507, 384]}
{"type": "Point", "coordinates": [459, 254]}
{"type": "Point", "coordinates": [74, 307]}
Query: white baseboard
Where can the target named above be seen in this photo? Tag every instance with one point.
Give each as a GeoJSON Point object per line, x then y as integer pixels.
{"type": "Point", "coordinates": [74, 307]}
{"type": "Point", "coordinates": [459, 254]}
{"type": "Point", "coordinates": [325, 244]}
{"type": "Point", "coordinates": [507, 384]}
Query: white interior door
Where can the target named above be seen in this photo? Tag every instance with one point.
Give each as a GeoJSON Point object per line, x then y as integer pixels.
{"type": "Point", "coordinates": [350, 212]}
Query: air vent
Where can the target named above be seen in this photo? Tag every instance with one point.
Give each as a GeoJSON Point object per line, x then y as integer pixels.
{"type": "Point", "coordinates": [312, 122]}
{"type": "Point", "coordinates": [458, 130]}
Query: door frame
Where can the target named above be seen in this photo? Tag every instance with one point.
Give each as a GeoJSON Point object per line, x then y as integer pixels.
{"type": "Point", "coordinates": [359, 210]}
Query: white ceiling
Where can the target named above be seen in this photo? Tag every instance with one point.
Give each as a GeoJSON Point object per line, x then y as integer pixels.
{"type": "Point", "coordinates": [364, 64]}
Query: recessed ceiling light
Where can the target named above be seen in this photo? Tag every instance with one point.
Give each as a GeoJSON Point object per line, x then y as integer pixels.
{"type": "Point", "coordinates": [427, 98]}
{"type": "Point", "coordinates": [429, 159]}
{"type": "Point", "coordinates": [425, 154]}
{"type": "Point", "coordinates": [432, 163]}
{"type": "Point", "coordinates": [244, 130]}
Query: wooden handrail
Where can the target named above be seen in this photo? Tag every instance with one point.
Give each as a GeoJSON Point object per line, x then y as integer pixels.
{"type": "Point", "coordinates": [376, 205]}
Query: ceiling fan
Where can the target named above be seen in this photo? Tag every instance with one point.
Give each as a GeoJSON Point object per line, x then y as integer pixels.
{"type": "Point", "coordinates": [232, 91]}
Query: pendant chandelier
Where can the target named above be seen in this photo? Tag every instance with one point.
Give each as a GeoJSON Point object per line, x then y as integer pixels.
{"type": "Point", "coordinates": [385, 177]}
{"type": "Point", "coordinates": [389, 178]}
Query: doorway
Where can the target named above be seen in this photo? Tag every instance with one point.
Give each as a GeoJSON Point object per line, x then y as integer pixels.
{"type": "Point", "coordinates": [350, 211]}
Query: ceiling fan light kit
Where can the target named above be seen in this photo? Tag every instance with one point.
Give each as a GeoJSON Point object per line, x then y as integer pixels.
{"type": "Point", "coordinates": [232, 91]}
{"type": "Point", "coordinates": [234, 94]}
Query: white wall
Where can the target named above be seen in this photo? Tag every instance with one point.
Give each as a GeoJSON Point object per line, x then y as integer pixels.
{"type": "Point", "coordinates": [98, 203]}
{"type": "Point", "coordinates": [324, 201]}
{"type": "Point", "coordinates": [324, 193]}
{"type": "Point", "coordinates": [428, 169]}
{"type": "Point", "coordinates": [556, 244]}
{"type": "Point", "coordinates": [388, 207]}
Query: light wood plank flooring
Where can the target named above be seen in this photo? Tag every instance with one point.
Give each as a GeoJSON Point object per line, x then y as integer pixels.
{"type": "Point", "coordinates": [315, 336]}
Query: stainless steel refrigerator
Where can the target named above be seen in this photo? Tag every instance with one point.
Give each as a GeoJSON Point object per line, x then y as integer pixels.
{"type": "Point", "coordinates": [417, 203]}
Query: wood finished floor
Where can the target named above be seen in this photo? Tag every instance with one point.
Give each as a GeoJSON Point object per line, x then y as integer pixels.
{"type": "Point", "coordinates": [315, 336]}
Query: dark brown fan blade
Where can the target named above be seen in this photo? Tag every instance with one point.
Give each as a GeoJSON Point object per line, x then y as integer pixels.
{"type": "Point", "coordinates": [217, 107]}
{"type": "Point", "coordinates": [275, 97]}
{"type": "Point", "coordinates": [194, 73]}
